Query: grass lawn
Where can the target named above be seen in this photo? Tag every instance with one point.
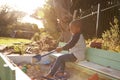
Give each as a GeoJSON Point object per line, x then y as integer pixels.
{"type": "Point", "coordinates": [9, 41]}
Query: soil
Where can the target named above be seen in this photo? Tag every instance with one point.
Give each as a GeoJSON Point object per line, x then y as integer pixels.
{"type": "Point", "coordinates": [36, 71]}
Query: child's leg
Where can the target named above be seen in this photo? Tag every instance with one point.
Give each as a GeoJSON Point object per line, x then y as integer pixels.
{"type": "Point", "coordinates": [60, 63]}
{"type": "Point", "coordinates": [62, 67]}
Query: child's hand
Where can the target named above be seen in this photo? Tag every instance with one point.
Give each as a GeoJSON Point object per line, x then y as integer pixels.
{"type": "Point", "coordinates": [58, 49]}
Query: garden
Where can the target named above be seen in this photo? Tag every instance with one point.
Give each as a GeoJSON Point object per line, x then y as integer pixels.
{"type": "Point", "coordinates": [47, 28]}
{"type": "Point", "coordinates": [110, 40]}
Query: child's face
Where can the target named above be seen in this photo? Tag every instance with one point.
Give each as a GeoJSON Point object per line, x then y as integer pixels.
{"type": "Point", "coordinates": [74, 29]}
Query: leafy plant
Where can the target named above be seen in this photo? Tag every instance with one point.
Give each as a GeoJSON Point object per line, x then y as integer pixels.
{"type": "Point", "coordinates": [19, 48]}
{"type": "Point", "coordinates": [36, 37]}
{"type": "Point", "coordinates": [111, 37]}
{"type": "Point", "coordinates": [7, 18]}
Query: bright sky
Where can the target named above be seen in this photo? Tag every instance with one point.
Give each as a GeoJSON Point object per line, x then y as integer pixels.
{"type": "Point", "coordinates": [27, 6]}
{"type": "Point", "coordinates": [32, 20]}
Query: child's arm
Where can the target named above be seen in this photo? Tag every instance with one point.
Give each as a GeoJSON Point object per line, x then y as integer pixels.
{"type": "Point", "coordinates": [70, 44]}
{"type": "Point", "coordinates": [58, 49]}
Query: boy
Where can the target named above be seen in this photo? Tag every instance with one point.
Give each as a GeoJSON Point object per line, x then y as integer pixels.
{"type": "Point", "coordinates": [76, 46]}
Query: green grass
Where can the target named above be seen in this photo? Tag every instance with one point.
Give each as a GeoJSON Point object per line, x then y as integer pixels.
{"type": "Point", "coordinates": [10, 41]}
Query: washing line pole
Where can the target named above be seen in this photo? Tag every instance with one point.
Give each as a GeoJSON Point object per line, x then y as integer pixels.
{"type": "Point", "coordinates": [97, 21]}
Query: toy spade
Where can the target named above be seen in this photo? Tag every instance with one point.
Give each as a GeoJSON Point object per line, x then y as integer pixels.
{"type": "Point", "coordinates": [38, 56]}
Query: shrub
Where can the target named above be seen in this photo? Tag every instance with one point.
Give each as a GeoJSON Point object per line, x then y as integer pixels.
{"type": "Point", "coordinates": [19, 48]}
{"type": "Point", "coordinates": [36, 37]}
{"type": "Point", "coordinates": [111, 37]}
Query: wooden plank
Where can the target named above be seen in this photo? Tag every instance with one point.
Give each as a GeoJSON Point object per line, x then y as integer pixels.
{"type": "Point", "coordinates": [108, 71]}
{"type": "Point", "coordinates": [104, 62]}
{"type": "Point", "coordinates": [20, 75]}
{"type": "Point", "coordinates": [104, 58]}
{"type": "Point", "coordinates": [104, 72]}
{"type": "Point", "coordinates": [7, 71]}
{"type": "Point", "coordinates": [103, 53]}
{"type": "Point", "coordinates": [2, 72]}
{"type": "Point", "coordinates": [89, 71]}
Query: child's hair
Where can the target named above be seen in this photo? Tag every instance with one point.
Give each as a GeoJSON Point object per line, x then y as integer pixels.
{"type": "Point", "coordinates": [76, 23]}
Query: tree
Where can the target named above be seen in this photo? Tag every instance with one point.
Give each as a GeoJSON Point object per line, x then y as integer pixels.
{"type": "Point", "coordinates": [23, 30]}
{"type": "Point", "coordinates": [7, 18]}
{"type": "Point", "coordinates": [50, 19]}
{"type": "Point", "coordinates": [62, 9]}
{"type": "Point", "coordinates": [57, 17]}
{"type": "Point", "coordinates": [59, 13]}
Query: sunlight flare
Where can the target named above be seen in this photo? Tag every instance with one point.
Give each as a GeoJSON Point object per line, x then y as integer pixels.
{"type": "Point", "coordinates": [28, 19]}
{"type": "Point", "coordinates": [27, 6]}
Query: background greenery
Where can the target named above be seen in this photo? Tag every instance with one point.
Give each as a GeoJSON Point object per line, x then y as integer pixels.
{"type": "Point", "coordinates": [10, 41]}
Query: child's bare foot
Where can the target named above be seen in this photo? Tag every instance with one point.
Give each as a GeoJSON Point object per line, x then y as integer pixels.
{"type": "Point", "coordinates": [59, 74]}
{"type": "Point", "coordinates": [48, 77]}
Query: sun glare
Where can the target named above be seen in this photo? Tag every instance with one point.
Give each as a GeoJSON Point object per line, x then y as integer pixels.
{"type": "Point", "coordinates": [28, 19]}
{"type": "Point", "coordinates": [27, 6]}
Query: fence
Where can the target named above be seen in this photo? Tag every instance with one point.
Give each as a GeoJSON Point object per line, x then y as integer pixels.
{"type": "Point", "coordinates": [96, 19]}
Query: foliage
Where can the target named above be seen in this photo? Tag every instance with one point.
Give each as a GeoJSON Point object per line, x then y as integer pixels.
{"type": "Point", "coordinates": [7, 18]}
{"type": "Point", "coordinates": [19, 48]}
{"type": "Point", "coordinates": [50, 19]}
{"type": "Point", "coordinates": [14, 45]}
{"type": "Point", "coordinates": [112, 37]}
{"type": "Point", "coordinates": [44, 41]}
{"type": "Point", "coordinates": [10, 41]}
{"type": "Point", "coordinates": [10, 27]}
{"type": "Point", "coordinates": [40, 35]}
{"type": "Point", "coordinates": [23, 30]}
{"type": "Point", "coordinates": [36, 37]}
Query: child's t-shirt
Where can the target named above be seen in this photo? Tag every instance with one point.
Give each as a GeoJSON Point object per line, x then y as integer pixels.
{"type": "Point", "coordinates": [76, 46]}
